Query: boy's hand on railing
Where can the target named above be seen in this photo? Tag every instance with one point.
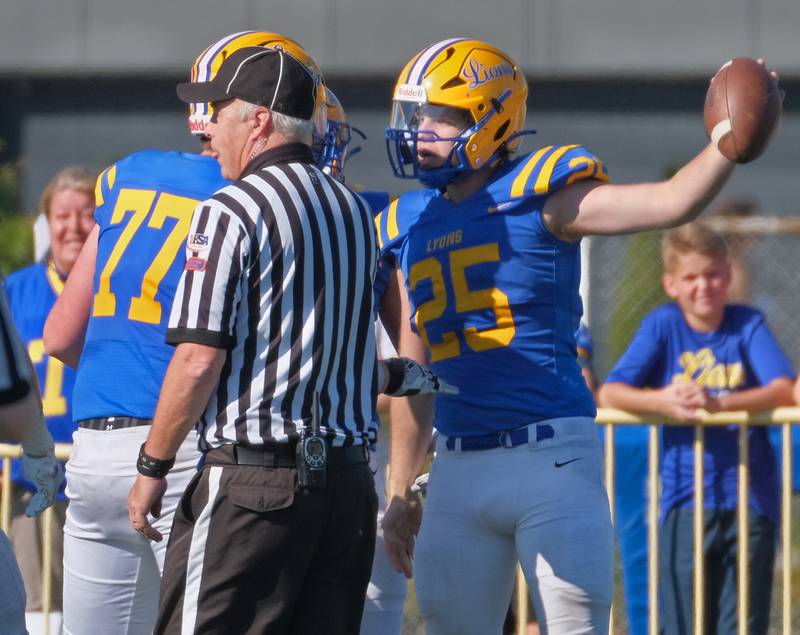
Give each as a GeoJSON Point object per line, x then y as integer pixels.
{"type": "Point", "coordinates": [713, 403]}
{"type": "Point", "coordinates": [681, 400]}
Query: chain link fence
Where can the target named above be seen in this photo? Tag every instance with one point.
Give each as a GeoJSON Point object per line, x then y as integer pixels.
{"type": "Point", "coordinates": [625, 281]}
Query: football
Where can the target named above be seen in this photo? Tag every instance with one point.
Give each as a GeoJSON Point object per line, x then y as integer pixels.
{"type": "Point", "coordinates": [743, 109]}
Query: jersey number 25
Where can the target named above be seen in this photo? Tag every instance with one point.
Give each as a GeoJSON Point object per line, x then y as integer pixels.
{"type": "Point", "coordinates": [466, 300]}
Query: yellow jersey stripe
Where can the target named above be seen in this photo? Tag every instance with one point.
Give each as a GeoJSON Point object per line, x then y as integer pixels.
{"type": "Point", "coordinates": [98, 188]}
{"type": "Point", "coordinates": [378, 229]}
{"type": "Point", "coordinates": [518, 186]}
{"type": "Point", "coordinates": [53, 278]}
{"type": "Point", "coordinates": [112, 176]}
{"type": "Point", "coordinates": [392, 230]}
{"type": "Point", "coordinates": [543, 180]}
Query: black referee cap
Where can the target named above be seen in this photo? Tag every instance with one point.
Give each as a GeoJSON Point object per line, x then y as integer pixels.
{"type": "Point", "coordinates": [262, 76]}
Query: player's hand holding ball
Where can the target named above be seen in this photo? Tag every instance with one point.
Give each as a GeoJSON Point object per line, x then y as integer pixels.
{"type": "Point", "coordinates": [743, 109]}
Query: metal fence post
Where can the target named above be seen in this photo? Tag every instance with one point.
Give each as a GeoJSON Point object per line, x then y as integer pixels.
{"type": "Point", "coordinates": [652, 528]}
{"type": "Point", "coordinates": [699, 530]}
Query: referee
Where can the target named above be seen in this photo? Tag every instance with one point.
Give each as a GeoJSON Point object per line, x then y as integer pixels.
{"type": "Point", "coordinates": [21, 421]}
{"type": "Point", "coordinates": [276, 360]}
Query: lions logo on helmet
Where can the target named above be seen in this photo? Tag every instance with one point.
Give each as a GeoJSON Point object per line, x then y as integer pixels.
{"type": "Point", "coordinates": [477, 79]}
{"type": "Point", "coordinates": [333, 151]}
{"type": "Point", "coordinates": [207, 65]}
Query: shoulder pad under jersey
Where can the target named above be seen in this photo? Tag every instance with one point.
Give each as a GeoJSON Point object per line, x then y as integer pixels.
{"type": "Point", "coordinates": [551, 168]}
{"type": "Point", "coordinates": [393, 222]}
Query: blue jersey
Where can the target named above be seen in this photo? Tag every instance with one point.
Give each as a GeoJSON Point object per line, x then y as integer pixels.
{"type": "Point", "coordinates": [378, 201]}
{"type": "Point", "coordinates": [740, 354]}
{"type": "Point", "coordinates": [32, 292]}
{"type": "Point", "coordinates": [494, 294]}
{"type": "Point", "coordinates": [144, 209]}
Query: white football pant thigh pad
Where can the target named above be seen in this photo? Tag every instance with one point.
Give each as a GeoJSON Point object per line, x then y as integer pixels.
{"type": "Point", "coordinates": [542, 504]}
{"type": "Point", "coordinates": [111, 573]}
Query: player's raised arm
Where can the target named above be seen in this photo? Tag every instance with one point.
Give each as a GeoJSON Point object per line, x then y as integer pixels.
{"type": "Point", "coordinates": [594, 208]}
{"type": "Point", "coordinates": [751, 95]}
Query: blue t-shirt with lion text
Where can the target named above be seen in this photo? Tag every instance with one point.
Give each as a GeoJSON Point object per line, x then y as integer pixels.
{"type": "Point", "coordinates": [740, 354]}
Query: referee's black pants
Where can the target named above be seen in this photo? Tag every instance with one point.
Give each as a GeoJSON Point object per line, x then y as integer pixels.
{"type": "Point", "coordinates": [250, 553]}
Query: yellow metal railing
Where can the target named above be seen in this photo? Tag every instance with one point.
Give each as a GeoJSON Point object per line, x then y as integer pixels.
{"type": "Point", "coordinates": [8, 452]}
{"type": "Point", "coordinates": [610, 418]}
{"type": "Point", "coordinates": [780, 416]}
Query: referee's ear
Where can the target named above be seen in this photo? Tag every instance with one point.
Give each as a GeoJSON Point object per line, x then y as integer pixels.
{"type": "Point", "coordinates": [261, 122]}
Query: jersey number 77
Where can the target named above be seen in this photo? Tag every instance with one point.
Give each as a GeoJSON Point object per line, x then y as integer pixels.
{"type": "Point", "coordinates": [137, 206]}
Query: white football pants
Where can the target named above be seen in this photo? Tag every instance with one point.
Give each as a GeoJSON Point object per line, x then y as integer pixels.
{"type": "Point", "coordinates": [542, 504]}
{"type": "Point", "coordinates": [111, 573]}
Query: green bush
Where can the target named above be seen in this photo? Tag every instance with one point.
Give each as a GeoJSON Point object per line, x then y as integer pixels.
{"type": "Point", "coordinates": [16, 228]}
{"type": "Point", "coordinates": [16, 237]}
{"type": "Point", "coordinates": [638, 291]}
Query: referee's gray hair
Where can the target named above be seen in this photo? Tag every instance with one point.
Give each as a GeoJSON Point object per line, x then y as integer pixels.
{"type": "Point", "coordinates": [293, 128]}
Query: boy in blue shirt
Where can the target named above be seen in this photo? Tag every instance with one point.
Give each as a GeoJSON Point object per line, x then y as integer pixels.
{"type": "Point", "coordinates": [701, 353]}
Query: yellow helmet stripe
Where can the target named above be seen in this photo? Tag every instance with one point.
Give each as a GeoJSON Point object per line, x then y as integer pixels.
{"type": "Point", "coordinates": [543, 180]}
{"type": "Point", "coordinates": [518, 186]}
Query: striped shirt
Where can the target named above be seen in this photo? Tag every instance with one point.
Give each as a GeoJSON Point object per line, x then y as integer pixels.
{"type": "Point", "coordinates": [279, 272]}
{"type": "Point", "coordinates": [15, 376]}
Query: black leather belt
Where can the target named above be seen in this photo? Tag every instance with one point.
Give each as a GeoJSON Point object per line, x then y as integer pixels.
{"type": "Point", "coordinates": [113, 423]}
{"type": "Point", "coordinates": [283, 455]}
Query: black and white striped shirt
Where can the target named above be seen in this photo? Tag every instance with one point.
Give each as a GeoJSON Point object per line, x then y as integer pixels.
{"type": "Point", "coordinates": [279, 272]}
{"type": "Point", "coordinates": [15, 377]}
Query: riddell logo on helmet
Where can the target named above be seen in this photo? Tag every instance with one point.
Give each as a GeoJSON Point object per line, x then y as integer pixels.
{"type": "Point", "coordinates": [481, 74]}
{"type": "Point", "coordinates": [410, 92]}
{"type": "Point", "coordinates": [197, 126]}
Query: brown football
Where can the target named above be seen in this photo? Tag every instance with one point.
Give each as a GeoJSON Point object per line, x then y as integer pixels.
{"type": "Point", "coordinates": [743, 109]}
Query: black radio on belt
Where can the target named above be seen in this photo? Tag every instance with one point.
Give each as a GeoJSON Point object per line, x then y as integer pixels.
{"type": "Point", "coordinates": [312, 453]}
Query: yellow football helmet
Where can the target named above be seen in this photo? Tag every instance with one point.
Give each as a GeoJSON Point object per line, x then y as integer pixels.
{"type": "Point", "coordinates": [335, 149]}
{"type": "Point", "coordinates": [478, 79]}
{"type": "Point", "coordinates": [207, 65]}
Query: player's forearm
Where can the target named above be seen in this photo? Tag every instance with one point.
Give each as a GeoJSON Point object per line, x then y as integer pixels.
{"type": "Point", "coordinates": [693, 187]}
{"type": "Point", "coordinates": [615, 209]}
{"type": "Point", "coordinates": [776, 394]}
{"type": "Point", "coordinates": [629, 398]}
{"type": "Point", "coordinates": [411, 429]}
{"type": "Point", "coordinates": [191, 377]}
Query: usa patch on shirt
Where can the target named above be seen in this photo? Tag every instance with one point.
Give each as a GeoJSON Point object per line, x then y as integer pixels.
{"type": "Point", "coordinates": [195, 264]}
{"type": "Point", "coordinates": [197, 242]}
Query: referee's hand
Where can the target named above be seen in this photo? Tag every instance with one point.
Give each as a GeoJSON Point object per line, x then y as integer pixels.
{"type": "Point", "coordinates": [400, 527]}
{"type": "Point", "coordinates": [145, 498]}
